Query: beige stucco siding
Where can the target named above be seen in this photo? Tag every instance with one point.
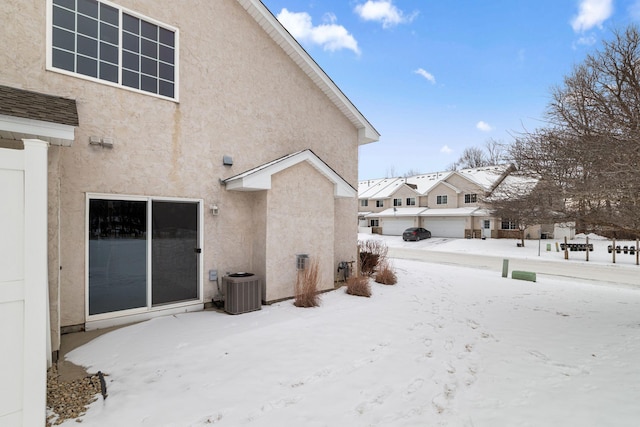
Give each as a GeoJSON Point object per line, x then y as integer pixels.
{"type": "Point", "coordinates": [442, 190]}
{"type": "Point", "coordinates": [403, 193]}
{"type": "Point", "coordinates": [241, 95]}
{"type": "Point", "coordinates": [300, 220]}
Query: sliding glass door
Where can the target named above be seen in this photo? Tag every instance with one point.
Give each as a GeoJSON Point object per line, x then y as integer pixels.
{"type": "Point", "coordinates": [174, 249]}
{"type": "Point", "coordinates": [142, 253]}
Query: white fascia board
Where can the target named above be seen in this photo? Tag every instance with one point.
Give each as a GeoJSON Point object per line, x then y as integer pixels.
{"type": "Point", "coordinates": [37, 128]}
{"type": "Point", "coordinates": [260, 179]}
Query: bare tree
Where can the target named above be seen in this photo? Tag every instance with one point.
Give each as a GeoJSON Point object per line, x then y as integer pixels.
{"type": "Point", "coordinates": [590, 149]}
{"type": "Point", "coordinates": [472, 157]}
{"type": "Point", "coordinates": [495, 151]}
{"type": "Point", "coordinates": [523, 201]}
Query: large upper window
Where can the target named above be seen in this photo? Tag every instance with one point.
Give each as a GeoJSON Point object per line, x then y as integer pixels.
{"type": "Point", "coordinates": [470, 198]}
{"type": "Point", "coordinates": [441, 200]}
{"type": "Point", "coordinates": [100, 40]}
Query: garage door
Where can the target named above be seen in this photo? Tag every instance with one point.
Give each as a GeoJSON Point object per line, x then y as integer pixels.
{"type": "Point", "coordinates": [395, 226]}
{"type": "Point", "coordinates": [445, 227]}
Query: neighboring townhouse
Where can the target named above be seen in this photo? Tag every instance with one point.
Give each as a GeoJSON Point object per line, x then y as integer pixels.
{"type": "Point", "coordinates": [449, 204]}
{"type": "Point", "coordinates": [184, 143]}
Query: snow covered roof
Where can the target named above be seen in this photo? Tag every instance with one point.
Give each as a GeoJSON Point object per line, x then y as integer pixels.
{"type": "Point", "coordinates": [259, 178]}
{"type": "Point", "coordinates": [379, 188]}
{"type": "Point", "coordinates": [485, 177]}
{"type": "Point", "coordinates": [426, 182]}
{"type": "Point", "coordinates": [514, 186]}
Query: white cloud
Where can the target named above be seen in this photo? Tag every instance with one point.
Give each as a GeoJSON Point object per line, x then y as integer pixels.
{"type": "Point", "coordinates": [383, 11]}
{"type": "Point", "coordinates": [592, 13]}
{"type": "Point", "coordinates": [330, 36]}
{"type": "Point", "coordinates": [427, 75]}
{"type": "Point", "coordinates": [484, 126]}
{"type": "Point", "coordinates": [446, 150]}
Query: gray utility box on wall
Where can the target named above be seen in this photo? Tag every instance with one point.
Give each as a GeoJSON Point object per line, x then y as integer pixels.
{"type": "Point", "coordinates": [243, 293]}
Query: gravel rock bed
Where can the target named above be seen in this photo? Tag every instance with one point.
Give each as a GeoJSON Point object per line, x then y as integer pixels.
{"type": "Point", "coordinates": [69, 400]}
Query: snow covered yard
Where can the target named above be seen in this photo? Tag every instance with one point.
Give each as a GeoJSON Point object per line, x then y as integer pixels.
{"type": "Point", "coordinates": [446, 346]}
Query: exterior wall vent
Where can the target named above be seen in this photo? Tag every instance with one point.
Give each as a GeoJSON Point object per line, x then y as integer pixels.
{"type": "Point", "coordinates": [301, 261]}
{"type": "Point", "coordinates": [243, 293]}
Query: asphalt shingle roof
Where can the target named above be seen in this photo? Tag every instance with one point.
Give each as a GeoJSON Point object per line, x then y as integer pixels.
{"type": "Point", "coordinates": [38, 106]}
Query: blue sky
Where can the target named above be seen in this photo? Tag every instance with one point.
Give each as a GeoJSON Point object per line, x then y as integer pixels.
{"type": "Point", "coordinates": [435, 77]}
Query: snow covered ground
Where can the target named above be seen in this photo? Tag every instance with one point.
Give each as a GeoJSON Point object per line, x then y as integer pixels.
{"type": "Point", "coordinates": [446, 346]}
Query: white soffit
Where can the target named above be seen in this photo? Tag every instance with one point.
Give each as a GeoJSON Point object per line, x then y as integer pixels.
{"type": "Point", "coordinates": [259, 178]}
{"type": "Point", "coordinates": [366, 132]}
{"type": "Point", "coordinates": [21, 128]}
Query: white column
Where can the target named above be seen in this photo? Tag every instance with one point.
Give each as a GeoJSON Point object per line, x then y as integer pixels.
{"type": "Point", "coordinates": [36, 305]}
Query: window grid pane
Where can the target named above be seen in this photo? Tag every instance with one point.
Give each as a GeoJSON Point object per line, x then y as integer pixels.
{"type": "Point", "coordinates": [89, 38]}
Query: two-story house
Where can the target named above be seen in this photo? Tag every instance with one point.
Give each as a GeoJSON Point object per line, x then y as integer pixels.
{"type": "Point", "coordinates": [449, 204]}
{"type": "Point", "coordinates": [185, 142]}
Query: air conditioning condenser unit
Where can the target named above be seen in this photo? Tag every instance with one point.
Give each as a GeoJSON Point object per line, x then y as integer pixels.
{"type": "Point", "coordinates": [243, 293]}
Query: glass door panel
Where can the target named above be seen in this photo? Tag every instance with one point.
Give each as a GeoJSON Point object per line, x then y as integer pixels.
{"type": "Point", "coordinates": [117, 255]}
{"type": "Point", "coordinates": [175, 252]}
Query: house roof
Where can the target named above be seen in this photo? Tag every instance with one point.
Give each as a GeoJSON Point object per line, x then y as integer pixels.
{"type": "Point", "coordinates": [372, 188]}
{"type": "Point", "coordinates": [259, 178]}
{"type": "Point", "coordinates": [25, 114]}
{"type": "Point", "coordinates": [514, 186]}
{"type": "Point", "coordinates": [383, 189]}
{"type": "Point", "coordinates": [425, 182]}
{"type": "Point", "coordinates": [37, 106]}
{"type": "Point", "coordinates": [486, 177]}
{"type": "Point", "coordinates": [366, 132]}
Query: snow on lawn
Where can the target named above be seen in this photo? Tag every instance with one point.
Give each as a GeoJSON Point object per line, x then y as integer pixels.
{"type": "Point", "coordinates": [509, 248]}
{"type": "Point", "coordinates": [446, 346]}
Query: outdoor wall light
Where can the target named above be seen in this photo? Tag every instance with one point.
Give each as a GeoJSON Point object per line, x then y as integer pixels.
{"type": "Point", "coordinates": [214, 210]}
{"type": "Point", "coordinates": [104, 142]}
{"type": "Point", "coordinates": [227, 160]}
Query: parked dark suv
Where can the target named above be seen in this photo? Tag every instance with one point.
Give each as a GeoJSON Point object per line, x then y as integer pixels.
{"type": "Point", "coordinates": [415, 233]}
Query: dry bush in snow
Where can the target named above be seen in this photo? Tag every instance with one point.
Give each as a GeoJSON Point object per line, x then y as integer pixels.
{"type": "Point", "coordinates": [386, 274]}
{"type": "Point", "coordinates": [359, 286]}
{"type": "Point", "coordinates": [306, 290]}
{"type": "Point", "coordinates": [372, 253]}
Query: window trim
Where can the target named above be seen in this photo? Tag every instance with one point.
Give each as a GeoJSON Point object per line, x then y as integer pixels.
{"type": "Point", "coordinates": [379, 203]}
{"type": "Point", "coordinates": [364, 203]}
{"type": "Point", "coordinates": [472, 197]}
{"type": "Point", "coordinates": [442, 200]}
{"type": "Point", "coordinates": [371, 223]}
{"type": "Point", "coordinates": [397, 202]}
{"type": "Point", "coordinates": [411, 201]}
{"type": "Point", "coordinates": [49, 52]}
{"type": "Point", "coordinates": [513, 225]}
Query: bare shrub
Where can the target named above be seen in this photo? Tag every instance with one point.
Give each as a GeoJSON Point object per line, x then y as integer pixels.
{"type": "Point", "coordinates": [372, 253]}
{"type": "Point", "coordinates": [359, 286]}
{"type": "Point", "coordinates": [386, 274]}
{"type": "Point", "coordinates": [306, 290]}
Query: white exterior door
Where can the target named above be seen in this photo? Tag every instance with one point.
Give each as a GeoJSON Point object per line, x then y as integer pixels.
{"type": "Point", "coordinates": [23, 284]}
{"type": "Point", "coordinates": [445, 227]}
{"type": "Point", "coordinates": [395, 226]}
{"type": "Point", "coordinates": [486, 228]}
